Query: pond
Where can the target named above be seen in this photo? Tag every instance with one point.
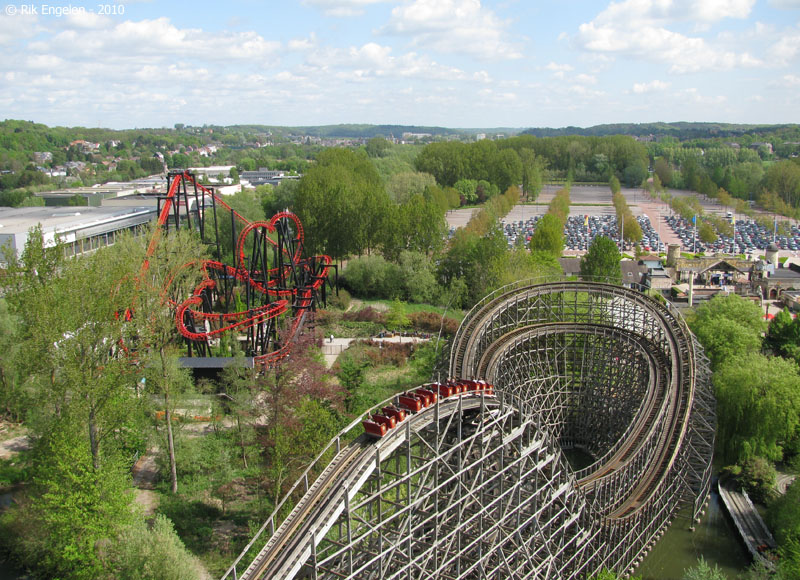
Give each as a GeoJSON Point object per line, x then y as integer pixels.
{"type": "Point", "coordinates": [715, 538]}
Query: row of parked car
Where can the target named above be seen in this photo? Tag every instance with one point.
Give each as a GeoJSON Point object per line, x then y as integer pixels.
{"type": "Point", "coordinates": [579, 231]}
{"type": "Point", "coordinates": [748, 237]}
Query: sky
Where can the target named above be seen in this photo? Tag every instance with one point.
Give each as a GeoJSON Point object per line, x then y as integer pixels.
{"type": "Point", "coordinates": [449, 63]}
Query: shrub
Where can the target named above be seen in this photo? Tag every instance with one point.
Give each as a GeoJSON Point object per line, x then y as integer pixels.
{"type": "Point", "coordinates": [374, 277]}
{"type": "Point", "coordinates": [367, 314]}
{"type": "Point", "coordinates": [758, 478]}
{"type": "Point", "coordinates": [340, 300]}
{"type": "Point", "coordinates": [431, 322]}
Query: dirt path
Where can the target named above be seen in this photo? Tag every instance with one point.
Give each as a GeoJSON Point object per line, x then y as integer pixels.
{"type": "Point", "coordinates": [145, 473]}
{"type": "Point", "coordinates": [11, 447]}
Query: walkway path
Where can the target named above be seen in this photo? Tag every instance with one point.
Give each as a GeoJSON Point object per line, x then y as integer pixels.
{"type": "Point", "coordinates": [782, 481]}
{"type": "Point", "coordinates": [751, 527]}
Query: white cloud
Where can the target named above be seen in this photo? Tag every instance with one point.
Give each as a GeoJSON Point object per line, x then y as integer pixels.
{"type": "Point", "coordinates": [17, 27]}
{"type": "Point", "coordinates": [670, 11]}
{"type": "Point", "coordinates": [786, 49]}
{"type": "Point", "coordinates": [552, 66]}
{"type": "Point", "coordinates": [638, 29]}
{"type": "Point", "coordinates": [153, 38]}
{"type": "Point", "coordinates": [585, 79]}
{"type": "Point", "coordinates": [302, 44]}
{"type": "Point", "coordinates": [785, 4]}
{"type": "Point", "coordinates": [789, 81]}
{"type": "Point", "coordinates": [651, 87]}
{"type": "Point", "coordinates": [342, 8]}
{"type": "Point", "coordinates": [453, 26]}
{"type": "Point", "coordinates": [374, 60]}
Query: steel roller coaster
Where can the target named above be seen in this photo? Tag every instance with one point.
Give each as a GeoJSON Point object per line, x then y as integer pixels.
{"type": "Point", "coordinates": [474, 479]}
{"type": "Point", "coordinates": [268, 277]}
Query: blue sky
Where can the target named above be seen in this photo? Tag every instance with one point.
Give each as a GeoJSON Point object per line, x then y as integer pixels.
{"type": "Point", "coordinates": [453, 63]}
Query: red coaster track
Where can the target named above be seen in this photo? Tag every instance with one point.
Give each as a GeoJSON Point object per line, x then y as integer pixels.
{"type": "Point", "coordinates": [269, 280]}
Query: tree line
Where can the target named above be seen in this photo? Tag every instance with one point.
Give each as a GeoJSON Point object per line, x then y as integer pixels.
{"type": "Point", "coordinates": [757, 386]}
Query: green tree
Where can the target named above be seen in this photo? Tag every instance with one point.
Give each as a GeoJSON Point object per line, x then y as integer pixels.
{"type": "Point", "coordinates": [351, 377]}
{"type": "Point", "coordinates": [141, 552]}
{"type": "Point", "coordinates": [783, 516]}
{"type": "Point", "coordinates": [724, 338]}
{"type": "Point", "coordinates": [532, 169]}
{"type": "Point", "coordinates": [758, 478]}
{"type": "Point", "coordinates": [71, 508]}
{"type": "Point", "coordinates": [783, 335]}
{"type": "Point", "coordinates": [614, 184]}
{"type": "Point", "coordinates": [14, 399]}
{"type": "Point", "coordinates": [704, 571]}
{"type": "Point", "coordinates": [277, 199]}
{"type": "Point", "coordinates": [467, 187]}
{"type": "Point", "coordinates": [173, 273]}
{"type": "Point", "coordinates": [419, 280]}
{"type": "Point", "coordinates": [601, 262]}
{"type": "Point", "coordinates": [663, 170]}
{"type": "Point", "coordinates": [548, 236]}
{"type": "Point", "coordinates": [468, 260]}
{"type": "Point", "coordinates": [402, 186]}
{"type": "Point", "coordinates": [635, 173]}
{"type": "Point", "coordinates": [731, 307]}
{"type": "Point", "coordinates": [378, 147]}
{"type": "Point", "coordinates": [758, 406]}
{"type": "Point", "coordinates": [706, 233]}
{"type": "Point", "coordinates": [342, 204]}
{"type": "Point", "coordinates": [396, 317]}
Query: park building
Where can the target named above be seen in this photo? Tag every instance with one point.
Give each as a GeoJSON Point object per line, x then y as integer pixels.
{"type": "Point", "coordinates": [265, 176]}
{"type": "Point", "coordinates": [81, 229]}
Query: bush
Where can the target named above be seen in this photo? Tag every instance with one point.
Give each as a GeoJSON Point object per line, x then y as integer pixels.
{"type": "Point", "coordinates": [388, 353]}
{"type": "Point", "coordinates": [418, 279]}
{"type": "Point", "coordinates": [758, 478]}
{"type": "Point", "coordinates": [431, 322]}
{"type": "Point", "coordinates": [340, 300]}
{"type": "Point", "coordinates": [155, 553]}
{"type": "Point", "coordinates": [373, 277]}
{"type": "Point", "coordinates": [367, 314]}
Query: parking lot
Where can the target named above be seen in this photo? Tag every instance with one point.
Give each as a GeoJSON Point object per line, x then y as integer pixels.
{"type": "Point", "coordinates": [591, 214]}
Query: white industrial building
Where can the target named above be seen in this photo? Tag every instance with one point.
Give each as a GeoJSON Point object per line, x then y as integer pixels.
{"type": "Point", "coordinates": [81, 229]}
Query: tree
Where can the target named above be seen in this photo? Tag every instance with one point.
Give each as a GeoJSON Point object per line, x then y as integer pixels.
{"type": "Point", "coordinates": [172, 274]}
{"type": "Point", "coordinates": [532, 168]}
{"type": "Point", "coordinates": [342, 204]}
{"type": "Point", "coordinates": [758, 406]}
{"type": "Point", "coordinates": [548, 236]}
{"type": "Point", "coordinates": [467, 187]}
{"type": "Point", "coordinates": [378, 147]}
{"type": "Point", "coordinates": [601, 262]}
{"type": "Point", "coordinates": [71, 508]}
{"type": "Point", "coordinates": [783, 516]}
{"type": "Point", "coordinates": [732, 307]}
{"type": "Point", "coordinates": [13, 398]}
{"type": "Point", "coordinates": [141, 552]}
{"type": "Point", "coordinates": [663, 170]}
{"type": "Point", "coordinates": [706, 232]}
{"type": "Point", "coordinates": [402, 186]}
{"type": "Point", "coordinates": [614, 184]}
{"type": "Point", "coordinates": [635, 173]}
{"type": "Point", "coordinates": [468, 260]}
{"type": "Point", "coordinates": [704, 571]}
{"type": "Point", "coordinates": [396, 317]}
{"type": "Point", "coordinates": [783, 335]}
{"type": "Point", "coordinates": [758, 478]}
{"type": "Point", "coordinates": [724, 338]}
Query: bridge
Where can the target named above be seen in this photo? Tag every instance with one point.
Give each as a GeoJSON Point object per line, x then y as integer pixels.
{"type": "Point", "coordinates": [599, 429]}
